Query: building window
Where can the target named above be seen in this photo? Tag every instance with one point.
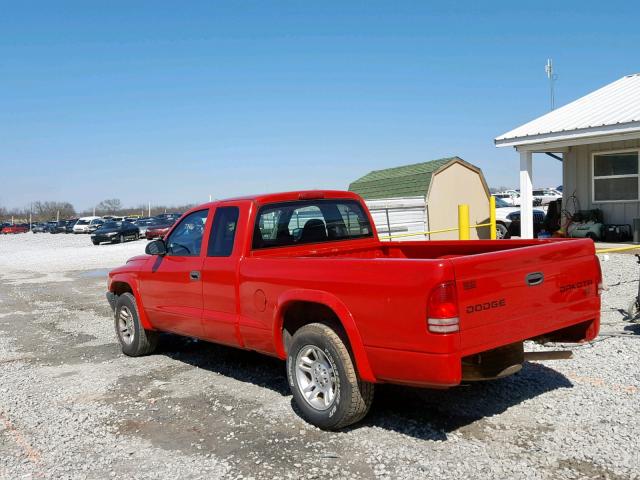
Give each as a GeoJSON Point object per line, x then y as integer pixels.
{"type": "Point", "coordinates": [615, 176]}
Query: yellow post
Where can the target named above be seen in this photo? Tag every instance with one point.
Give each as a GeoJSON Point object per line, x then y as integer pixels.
{"type": "Point", "coordinates": [463, 221]}
{"type": "Point", "coordinates": [492, 216]}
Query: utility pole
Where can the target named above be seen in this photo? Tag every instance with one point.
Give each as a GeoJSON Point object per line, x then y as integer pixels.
{"type": "Point", "coordinates": [149, 208]}
{"type": "Point", "coordinates": [548, 68]}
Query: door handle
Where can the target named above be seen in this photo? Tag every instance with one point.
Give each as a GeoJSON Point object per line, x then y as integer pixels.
{"type": "Point", "coordinates": [194, 275]}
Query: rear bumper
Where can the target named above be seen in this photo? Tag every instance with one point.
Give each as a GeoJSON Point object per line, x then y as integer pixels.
{"type": "Point", "coordinates": [437, 370]}
{"type": "Point", "coordinates": [443, 370]}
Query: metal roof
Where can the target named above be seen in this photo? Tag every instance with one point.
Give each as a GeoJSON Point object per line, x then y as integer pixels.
{"type": "Point", "coordinates": [612, 109]}
{"type": "Point", "coordinates": [405, 181]}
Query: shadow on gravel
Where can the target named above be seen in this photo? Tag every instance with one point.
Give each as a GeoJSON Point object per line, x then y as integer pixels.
{"type": "Point", "coordinates": [431, 414]}
{"type": "Point", "coordinates": [421, 413]}
{"type": "Point", "coordinates": [241, 365]}
{"type": "Point", "coordinates": [633, 328]}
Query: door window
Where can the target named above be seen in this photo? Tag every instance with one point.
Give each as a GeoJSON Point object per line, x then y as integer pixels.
{"type": "Point", "coordinates": [186, 239]}
{"type": "Point", "coordinates": [223, 232]}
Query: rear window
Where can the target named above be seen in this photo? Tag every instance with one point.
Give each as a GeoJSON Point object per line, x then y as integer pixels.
{"type": "Point", "coordinates": [310, 221]}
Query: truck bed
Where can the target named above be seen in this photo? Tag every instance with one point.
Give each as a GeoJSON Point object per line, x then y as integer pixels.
{"type": "Point", "coordinates": [426, 250]}
{"type": "Point", "coordinates": [385, 286]}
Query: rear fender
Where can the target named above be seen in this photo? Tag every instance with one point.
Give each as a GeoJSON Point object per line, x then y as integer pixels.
{"type": "Point", "coordinates": [132, 282]}
{"type": "Point", "coordinates": [340, 310]}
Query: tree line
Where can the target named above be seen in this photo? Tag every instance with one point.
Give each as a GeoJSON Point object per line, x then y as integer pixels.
{"type": "Point", "coordinates": [43, 211]}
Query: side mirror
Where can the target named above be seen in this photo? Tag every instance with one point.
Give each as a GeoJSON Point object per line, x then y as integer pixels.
{"type": "Point", "coordinates": [156, 247]}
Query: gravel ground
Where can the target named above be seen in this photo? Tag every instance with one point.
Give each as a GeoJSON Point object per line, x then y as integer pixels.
{"type": "Point", "coordinates": [72, 406]}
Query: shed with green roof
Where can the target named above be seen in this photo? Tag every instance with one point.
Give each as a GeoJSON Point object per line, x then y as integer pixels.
{"type": "Point", "coordinates": [424, 197]}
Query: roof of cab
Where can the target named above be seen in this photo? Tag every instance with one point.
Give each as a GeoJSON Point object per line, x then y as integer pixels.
{"type": "Point", "coordinates": [263, 198]}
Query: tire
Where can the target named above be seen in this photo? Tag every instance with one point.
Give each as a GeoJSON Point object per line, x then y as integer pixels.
{"type": "Point", "coordinates": [96, 243]}
{"type": "Point", "coordinates": [502, 232]}
{"type": "Point", "coordinates": [320, 349]}
{"type": "Point", "coordinates": [121, 239]}
{"type": "Point", "coordinates": [134, 340]}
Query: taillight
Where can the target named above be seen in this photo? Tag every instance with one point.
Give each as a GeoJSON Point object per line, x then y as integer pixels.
{"type": "Point", "coordinates": [442, 310]}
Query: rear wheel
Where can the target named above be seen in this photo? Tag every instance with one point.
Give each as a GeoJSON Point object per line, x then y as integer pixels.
{"type": "Point", "coordinates": [134, 339]}
{"type": "Point", "coordinates": [323, 379]}
{"type": "Point", "coordinates": [502, 232]}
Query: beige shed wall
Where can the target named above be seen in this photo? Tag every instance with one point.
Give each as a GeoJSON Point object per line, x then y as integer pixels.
{"type": "Point", "coordinates": [577, 176]}
{"type": "Point", "coordinates": [454, 185]}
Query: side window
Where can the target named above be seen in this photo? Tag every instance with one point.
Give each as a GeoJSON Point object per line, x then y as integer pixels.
{"type": "Point", "coordinates": [186, 239]}
{"type": "Point", "coordinates": [223, 232]}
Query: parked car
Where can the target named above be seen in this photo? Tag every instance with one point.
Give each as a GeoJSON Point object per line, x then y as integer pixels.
{"type": "Point", "coordinates": [39, 227]}
{"type": "Point", "coordinates": [49, 226]}
{"type": "Point", "coordinates": [144, 223]}
{"type": "Point", "coordinates": [113, 232]}
{"type": "Point", "coordinates": [346, 310]}
{"type": "Point", "coordinates": [59, 227]}
{"type": "Point", "coordinates": [17, 228]}
{"type": "Point", "coordinates": [158, 229]}
{"type": "Point", "coordinates": [508, 220]}
{"type": "Point", "coordinates": [87, 224]}
{"type": "Point", "coordinates": [171, 217]}
{"type": "Point", "coordinates": [68, 228]}
{"type": "Point", "coordinates": [512, 199]}
{"type": "Point", "coordinates": [546, 195]}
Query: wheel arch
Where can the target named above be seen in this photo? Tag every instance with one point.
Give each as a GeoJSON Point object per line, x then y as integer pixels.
{"type": "Point", "coordinates": [120, 284]}
{"type": "Point", "coordinates": [302, 300]}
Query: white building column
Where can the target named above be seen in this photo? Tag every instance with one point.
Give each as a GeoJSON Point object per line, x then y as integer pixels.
{"type": "Point", "coordinates": [526, 195]}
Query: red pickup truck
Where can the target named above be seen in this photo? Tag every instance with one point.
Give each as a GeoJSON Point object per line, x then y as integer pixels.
{"type": "Point", "coordinates": [19, 228]}
{"type": "Point", "coordinates": [302, 276]}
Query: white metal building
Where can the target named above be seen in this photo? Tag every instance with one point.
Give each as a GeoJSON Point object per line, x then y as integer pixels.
{"type": "Point", "coordinates": [598, 138]}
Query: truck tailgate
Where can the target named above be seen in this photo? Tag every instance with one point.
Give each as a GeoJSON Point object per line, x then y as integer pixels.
{"type": "Point", "coordinates": [513, 295]}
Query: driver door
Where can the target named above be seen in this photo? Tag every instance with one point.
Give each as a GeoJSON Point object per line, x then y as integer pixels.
{"type": "Point", "coordinates": [171, 285]}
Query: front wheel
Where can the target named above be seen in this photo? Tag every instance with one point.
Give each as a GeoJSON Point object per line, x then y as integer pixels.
{"type": "Point", "coordinates": [323, 379]}
{"type": "Point", "coordinates": [134, 339]}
